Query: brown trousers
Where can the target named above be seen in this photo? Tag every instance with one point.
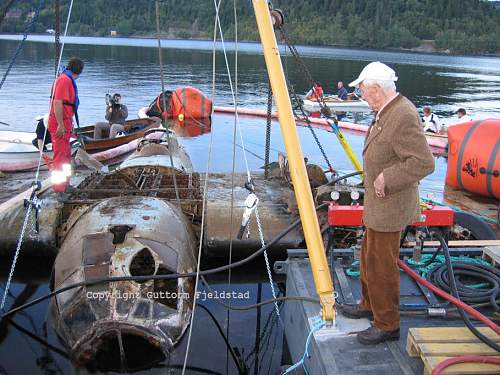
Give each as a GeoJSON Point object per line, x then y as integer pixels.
{"type": "Point", "coordinates": [380, 277]}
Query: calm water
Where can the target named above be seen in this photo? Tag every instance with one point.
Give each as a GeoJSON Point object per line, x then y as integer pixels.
{"type": "Point", "coordinates": [129, 66]}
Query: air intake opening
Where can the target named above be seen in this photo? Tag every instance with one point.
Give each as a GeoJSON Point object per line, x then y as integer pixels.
{"type": "Point", "coordinates": [143, 264]}
{"type": "Point", "coordinates": [138, 354]}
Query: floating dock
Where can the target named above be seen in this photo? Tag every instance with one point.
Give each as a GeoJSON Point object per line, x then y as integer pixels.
{"type": "Point", "coordinates": [335, 350]}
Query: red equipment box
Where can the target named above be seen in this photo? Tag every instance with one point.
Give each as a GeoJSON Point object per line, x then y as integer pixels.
{"type": "Point", "coordinates": [351, 216]}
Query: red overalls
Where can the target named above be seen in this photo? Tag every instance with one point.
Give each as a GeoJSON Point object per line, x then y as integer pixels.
{"type": "Point", "coordinates": [61, 163]}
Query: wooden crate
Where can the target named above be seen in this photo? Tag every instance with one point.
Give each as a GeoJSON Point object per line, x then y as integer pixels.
{"type": "Point", "coordinates": [435, 344]}
{"type": "Point", "coordinates": [492, 254]}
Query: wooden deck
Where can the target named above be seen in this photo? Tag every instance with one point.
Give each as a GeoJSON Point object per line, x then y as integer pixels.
{"type": "Point", "coordinates": [436, 344]}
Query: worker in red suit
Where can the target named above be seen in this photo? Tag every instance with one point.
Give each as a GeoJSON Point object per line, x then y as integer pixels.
{"type": "Point", "coordinates": [64, 104]}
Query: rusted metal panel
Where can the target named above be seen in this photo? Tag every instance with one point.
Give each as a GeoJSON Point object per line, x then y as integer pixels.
{"type": "Point", "coordinates": [159, 241]}
{"type": "Point", "coordinates": [276, 212]}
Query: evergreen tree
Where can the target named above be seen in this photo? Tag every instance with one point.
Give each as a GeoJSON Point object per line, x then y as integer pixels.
{"type": "Point", "coordinates": [461, 26]}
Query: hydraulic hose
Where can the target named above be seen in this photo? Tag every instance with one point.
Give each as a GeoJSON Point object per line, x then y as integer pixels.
{"type": "Point", "coordinates": [464, 359]}
{"type": "Point", "coordinates": [489, 275]}
{"type": "Point", "coordinates": [462, 307]}
{"type": "Point", "coordinates": [161, 277]}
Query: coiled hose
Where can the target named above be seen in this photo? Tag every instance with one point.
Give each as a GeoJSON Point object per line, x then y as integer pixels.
{"type": "Point", "coordinates": [488, 276]}
{"type": "Point", "coordinates": [451, 278]}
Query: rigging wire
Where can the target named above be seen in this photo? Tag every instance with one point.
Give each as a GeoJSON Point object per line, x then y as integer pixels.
{"type": "Point", "coordinates": [211, 271]}
{"type": "Point", "coordinates": [233, 168]}
{"type": "Point", "coordinates": [249, 177]}
{"type": "Point", "coordinates": [33, 199]}
{"type": "Point", "coordinates": [205, 194]}
{"type": "Point", "coordinates": [19, 48]}
{"type": "Point", "coordinates": [166, 124]}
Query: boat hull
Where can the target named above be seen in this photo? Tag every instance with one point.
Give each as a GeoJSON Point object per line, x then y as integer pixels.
{"type": "Point", "coordinates": [437, 141]}
{"type": "Point", "coordinates": [354, 106]}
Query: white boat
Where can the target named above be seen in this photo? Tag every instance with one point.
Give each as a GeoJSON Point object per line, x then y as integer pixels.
{"type": "Point", "coordinates": [337, 105]}
{"type": "Point", "coordinates": [17, 153]}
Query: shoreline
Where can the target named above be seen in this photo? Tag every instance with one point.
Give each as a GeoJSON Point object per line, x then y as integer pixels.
{"type": "Point", "coordinates": [420, 50]}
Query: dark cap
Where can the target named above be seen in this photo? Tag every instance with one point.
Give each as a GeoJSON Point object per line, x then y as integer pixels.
{"type": "Point", "coordinates": [75, 65]}
{"type": "Point", "coordinates": [462, 111]}
{"type": "Point", "coordinates": [116, 94]}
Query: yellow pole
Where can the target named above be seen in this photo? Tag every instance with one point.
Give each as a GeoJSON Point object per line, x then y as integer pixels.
{"type": "Point", "coordinates": [314, 241]}
{"type": "Point", "coordinates": [347, 148]}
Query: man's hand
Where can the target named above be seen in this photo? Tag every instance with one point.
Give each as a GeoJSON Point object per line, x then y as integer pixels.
{"type": "Point", "coordinates": [379, 185]}
{"type": "Point", "coordinates": [60, 131]}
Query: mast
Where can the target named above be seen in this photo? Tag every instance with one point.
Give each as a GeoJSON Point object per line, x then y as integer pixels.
{"type": "Point", "coordinates": [310, 225]}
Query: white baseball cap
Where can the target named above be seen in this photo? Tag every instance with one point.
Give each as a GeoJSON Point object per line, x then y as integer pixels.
{"type": "Point", "coordinates": [375, 70]}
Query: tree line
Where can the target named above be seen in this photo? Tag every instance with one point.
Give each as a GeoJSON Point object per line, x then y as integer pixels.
{"type": "Point", "coordinates": [460, 26]}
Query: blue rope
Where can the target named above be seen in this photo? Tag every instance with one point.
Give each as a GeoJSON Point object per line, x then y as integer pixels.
{"type": "Point", "coordinates": [20, 45]}
{"type": "Point", "coordinates": [318, 323]}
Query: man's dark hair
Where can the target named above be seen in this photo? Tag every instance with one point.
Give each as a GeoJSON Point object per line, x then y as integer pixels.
{"type": "Point", "coordinates": [75, 65]}
{"type": "Point", "coordinates": [461, 111]}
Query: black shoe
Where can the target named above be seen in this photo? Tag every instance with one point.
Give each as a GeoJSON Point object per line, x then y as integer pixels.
{"type": "Point", "coordinates": [355, 311]}
{"type": "Point", "coordinates": [374, 335]}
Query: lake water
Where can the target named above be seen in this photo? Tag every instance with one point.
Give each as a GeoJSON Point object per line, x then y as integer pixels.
{"type": "Point", "coordinates": [130, 67]}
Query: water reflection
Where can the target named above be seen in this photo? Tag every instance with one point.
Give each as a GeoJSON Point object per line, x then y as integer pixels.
{"type": "Point", "coordinates": [191, 127]}
{"type": "Point", "coordinates": [28, 344]}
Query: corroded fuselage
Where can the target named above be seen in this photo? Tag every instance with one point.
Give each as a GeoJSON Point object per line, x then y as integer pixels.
{"type": "Point", "coordinates": [128, 223]}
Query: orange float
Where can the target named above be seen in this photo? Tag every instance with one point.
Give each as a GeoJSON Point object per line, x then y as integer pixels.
{"type": "Point", "coordinates": [189, 103]}
{"type": "Point", "coordinates": [474, 157]}
{"type": "Point", "coordinates": [183, 103]}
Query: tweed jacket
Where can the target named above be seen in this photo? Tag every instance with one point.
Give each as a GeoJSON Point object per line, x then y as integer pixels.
{"type": "Point", "coordinates": [396, 146]}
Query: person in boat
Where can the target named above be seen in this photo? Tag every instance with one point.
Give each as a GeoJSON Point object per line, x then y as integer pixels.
{"type": "Point", "coordinates": [42, 135]}
{"type": "Point", "coordinates": [342, 92]}
{"type": "Point", "coordinates": [315, 92]}
{"type": "Point", "coordinates": [396, 157]}
{"type": "Point", "coordinates": [64, 105]}
{"type": "Point", "coordinates": [431, 121]}
{"type": "Point", "coordinates": [116, 114]}
{"type": "Point", "coordinates": [462, 115]}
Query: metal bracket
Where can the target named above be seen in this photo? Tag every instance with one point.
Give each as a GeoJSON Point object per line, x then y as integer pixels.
{"type": "Point", "coordinates": [250, 205]}
{"type": "Point", "coordinates": [35, 203]}
{"type": "Point", "coordinates": [297, 254]}
{"type": "Point", "coordinates": [280, 267]}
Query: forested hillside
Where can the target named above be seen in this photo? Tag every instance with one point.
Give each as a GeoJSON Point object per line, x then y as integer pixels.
{"type": "Point", "coordinates": [461, 26]}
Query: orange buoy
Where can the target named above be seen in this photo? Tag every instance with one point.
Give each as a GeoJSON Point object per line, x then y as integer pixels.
{"type": "Point", "coordinates": [189, 102]}
{"type": "Point", "coordinates": [474, 157]}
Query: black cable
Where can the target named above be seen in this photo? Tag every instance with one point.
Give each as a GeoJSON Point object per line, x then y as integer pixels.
{"type": "Point", "coordinates": [162, 277]}
{"type": "Point", "coordinates": [35, 337]}
{"type": "Point", "coordinates": [231, 350]}
{"type": "Point", "coordinates": [440, 276]}
{"type": "Point", "coordinates": [335, 180]}
{"type": "Point", "coordinates": [454, 291]}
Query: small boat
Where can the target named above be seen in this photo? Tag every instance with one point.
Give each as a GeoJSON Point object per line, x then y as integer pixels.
{"type": "Point", "coordinates": [134, 129]}
{"type": "Point", "coordinates": [17, 152]}
{"type": "Point", "coordinates": [335, 104]}
{"type": "Point", "coordinates": [474, 157]}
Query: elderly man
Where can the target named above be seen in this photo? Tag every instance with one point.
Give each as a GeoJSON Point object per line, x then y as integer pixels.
{"type": "Point", "coordinates": [396, 157]}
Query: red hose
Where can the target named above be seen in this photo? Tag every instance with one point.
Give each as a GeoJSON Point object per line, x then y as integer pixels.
{"type": "Point", "coordinates": [469, 310]}
{"type": "Point", "coordinates": [464, 359]}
